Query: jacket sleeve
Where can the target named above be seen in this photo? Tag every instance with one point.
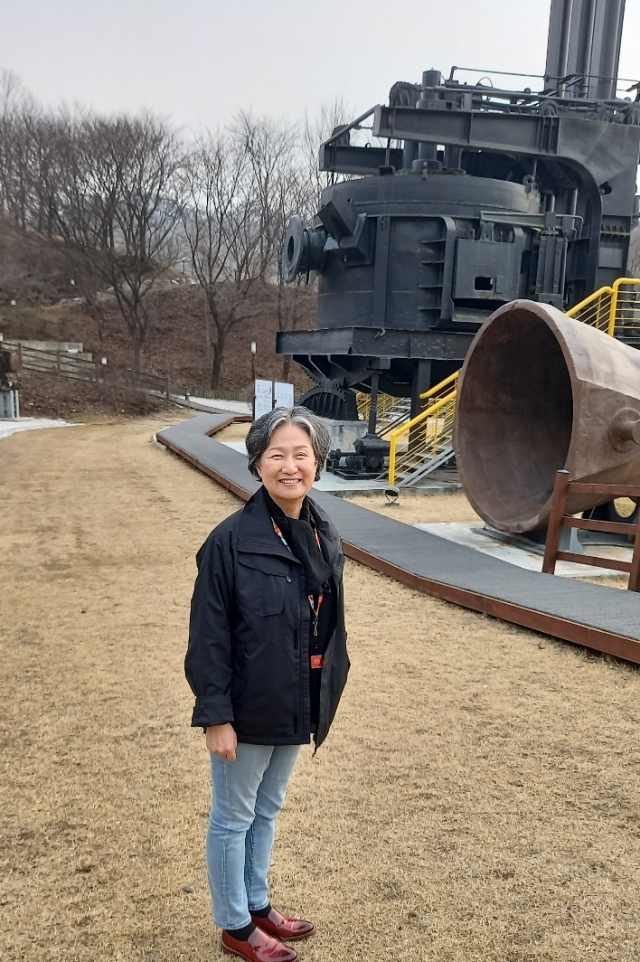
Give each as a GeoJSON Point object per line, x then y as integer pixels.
{"type": "Point", "coordinates": [209, 659]}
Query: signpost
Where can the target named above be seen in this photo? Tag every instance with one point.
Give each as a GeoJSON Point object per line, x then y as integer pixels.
{"type": "Point", "coordinates": [267, 396]}
{"type": "Point", "coordinates": [283, 395]}
{"type": "Point", "coordinates": [262, 398]}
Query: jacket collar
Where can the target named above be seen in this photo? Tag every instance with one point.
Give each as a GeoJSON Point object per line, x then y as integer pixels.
{"type": "Point", "coordinates": [330, 543]}
{"type": "Point", "coordinates": [256, 534]}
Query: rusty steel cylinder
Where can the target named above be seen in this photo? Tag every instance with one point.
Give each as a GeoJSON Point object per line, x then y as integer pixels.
{"type": "Point", "coordinates": [540, 391]}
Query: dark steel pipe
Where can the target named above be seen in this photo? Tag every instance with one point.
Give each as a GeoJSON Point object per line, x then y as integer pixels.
{"type": "Point", "coordinates": [558, 42]}
{"type": "Point", "coordinates": [430, 79]}
{"type": "Point", "coordinates": [373, 403]}
{"type": "Point", "coordinates": [607, 66]}
{"type": "Point", "coordinates": [585, 43]}
{"type": "Point", "coordinates": [563, 51]}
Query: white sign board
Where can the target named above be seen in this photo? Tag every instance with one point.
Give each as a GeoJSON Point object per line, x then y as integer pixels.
{"type": "Point", "coordinates": [283, 394]}
{"type": "Point", "coordinates": [263, 398]}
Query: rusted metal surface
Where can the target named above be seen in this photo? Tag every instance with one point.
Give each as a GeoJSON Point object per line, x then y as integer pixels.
{"type": "Point", "coordinates": [540, 392]}
{"type": "Point", "coordinates": [551, 606]}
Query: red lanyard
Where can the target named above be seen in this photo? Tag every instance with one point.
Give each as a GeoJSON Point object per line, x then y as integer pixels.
{"type": "Point", "coordinates": [314, 605]}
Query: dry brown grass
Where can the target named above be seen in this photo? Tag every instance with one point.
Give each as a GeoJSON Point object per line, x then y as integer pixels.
{"type": "Point", "coordinates": [420, 509]}
{"type": "Point", "coordinates": [235, 432]}
{"type": "Point", "coordinates": [477, 800]}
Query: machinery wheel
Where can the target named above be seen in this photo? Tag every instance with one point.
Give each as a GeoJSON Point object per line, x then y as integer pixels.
{"type": "Point", "coordinates": [339, 404]}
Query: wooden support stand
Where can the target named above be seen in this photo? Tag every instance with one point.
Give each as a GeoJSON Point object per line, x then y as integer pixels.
{"type": "Point", "coordinates": [558, 520]}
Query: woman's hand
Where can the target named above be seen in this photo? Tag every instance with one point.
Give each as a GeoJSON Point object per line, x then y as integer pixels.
{"type": "Point", "coordinates": [222, 741]}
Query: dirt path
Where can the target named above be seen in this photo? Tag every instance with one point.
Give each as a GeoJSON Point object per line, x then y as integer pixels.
{"type": "Point", "coordinates": [477, 800]}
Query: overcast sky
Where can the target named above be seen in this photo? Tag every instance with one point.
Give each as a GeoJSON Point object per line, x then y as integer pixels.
{"type": "Point", "coordinates": [196, 62]}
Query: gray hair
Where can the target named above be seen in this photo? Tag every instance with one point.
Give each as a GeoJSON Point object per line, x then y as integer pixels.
{"type": "Point", "coordinates": [261, 431]}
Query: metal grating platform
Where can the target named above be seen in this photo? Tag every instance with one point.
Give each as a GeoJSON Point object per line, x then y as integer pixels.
{"type": "Point", "coordinates": [605, 619]}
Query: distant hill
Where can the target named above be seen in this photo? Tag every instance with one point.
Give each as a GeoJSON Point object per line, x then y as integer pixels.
{"type": "Point", "coordinates": [177, 346]}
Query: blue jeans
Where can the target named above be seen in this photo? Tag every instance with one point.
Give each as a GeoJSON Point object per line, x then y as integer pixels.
{"type": "Point", "coordinates": [248, 795]}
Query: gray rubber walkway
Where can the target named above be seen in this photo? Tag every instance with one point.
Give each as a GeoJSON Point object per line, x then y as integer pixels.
{"type": "Point", "coordinates": [607, 619]}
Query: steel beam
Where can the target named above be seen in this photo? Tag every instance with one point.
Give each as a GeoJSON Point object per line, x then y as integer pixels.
{"type": "Point", "coordinates": [358, 160]}
{"type": "Point", "coordinates": [601, 150]}
{"type": "Point", "coordinates": [374, 342]}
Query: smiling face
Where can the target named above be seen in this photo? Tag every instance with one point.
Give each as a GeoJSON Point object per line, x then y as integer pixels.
{"type": "Point", "coordinates": [288, 468]}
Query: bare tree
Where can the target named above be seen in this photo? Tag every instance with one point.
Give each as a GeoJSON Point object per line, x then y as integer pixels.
{"type": "Point", "coordinates": [314, 132]}
{"type": "Point", "coordinates": [106, 193]}
{"type": "Point", "coordinates": [28, 176]}
{"type": "Point", "coordinates": [290, 183]}
{"type": "Point", "coordinates": [228, 231]}
{"type": "Point", "coordinates": [12, 149]}
{"type": "Point", "coordinates": [270, 149]}
{"type": "Point", "coordinates": [25, 151]}
{"type": "Point", "coordinates": [117, 206]}
{"type": "Point", "coordinates": [281, 189]}
{"type": "Point", "coordinates": [44, 134]}
{"type": "Point", "coordinates": [290, 194]}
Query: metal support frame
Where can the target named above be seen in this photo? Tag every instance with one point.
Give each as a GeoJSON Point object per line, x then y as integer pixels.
{"type": "Point", "coordinates": [559, 520]}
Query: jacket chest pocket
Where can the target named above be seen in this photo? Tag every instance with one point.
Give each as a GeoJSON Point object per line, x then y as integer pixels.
{"type": "Point", "coordinates": [261, 584]}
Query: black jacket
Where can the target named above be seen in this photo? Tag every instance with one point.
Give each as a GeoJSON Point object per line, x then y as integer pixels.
{"type": "Point", "coordinates": [248, 657]}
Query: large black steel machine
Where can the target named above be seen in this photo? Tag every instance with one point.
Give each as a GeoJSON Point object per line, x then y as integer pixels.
{"type": "Point", "coordinates": [476, 196]}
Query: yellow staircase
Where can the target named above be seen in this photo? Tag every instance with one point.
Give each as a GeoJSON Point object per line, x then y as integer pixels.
{"type": "Point", "coordinates": [391, 411]}
{"type": "Point", "coordinates": [419, 446]}
{"type": "Point", "coordinates": [614, 310]}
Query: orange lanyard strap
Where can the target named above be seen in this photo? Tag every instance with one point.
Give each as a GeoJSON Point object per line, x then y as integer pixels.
{"type": "Point", "coordinates": [284, 540]}
{"type": "Point", "coordinates": [314, 605]}
{"type": "Point", "coordinates": [315, 611]}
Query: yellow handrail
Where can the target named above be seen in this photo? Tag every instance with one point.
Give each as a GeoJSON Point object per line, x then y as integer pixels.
{"type": "Point", "coordinates": [616, 297]}
{"type": "Point", "coordinates": [594, 310]}
{"type": "Point", "coordinates": [390, 410]}
{"type": "Point", "coordinates": [603, 309]}
{"type": "Point", "coordinates": [607, 309]}
{"type": "Point", "coordinates": [439, 387]}
{"type": "Point", "coordinates": [578, 308]}
{"type": "Point", "coordinates": [418, 419]}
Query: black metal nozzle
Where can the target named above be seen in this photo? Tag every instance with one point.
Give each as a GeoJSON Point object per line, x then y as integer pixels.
{"type": "Point", "coordinates": [303, 250]}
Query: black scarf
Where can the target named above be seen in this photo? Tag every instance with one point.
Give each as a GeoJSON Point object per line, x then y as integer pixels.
{"type": "Point", "coordinates": [299, 535]}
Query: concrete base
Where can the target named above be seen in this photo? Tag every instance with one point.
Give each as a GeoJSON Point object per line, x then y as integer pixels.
{"type": "Point", "coordinates": [442, 481]}
{"type": "Point", "coordinates": [473, 535]}
{"type": "Point", "coordinates": [7, 428]}
{"type": "Point", "coordinates": [215, 406]}
{"type": "Point", "coordinates": [345, 433]}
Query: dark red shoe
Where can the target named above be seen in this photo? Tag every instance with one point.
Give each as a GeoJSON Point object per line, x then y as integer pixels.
{"type": "Point", "coordinates": [259, 947]}
{"type": "Point", "coordinates": [281, 927]}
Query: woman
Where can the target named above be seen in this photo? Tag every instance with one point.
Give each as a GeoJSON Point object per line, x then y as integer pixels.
{"type": "Point", "coordinates": [267, 662]}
